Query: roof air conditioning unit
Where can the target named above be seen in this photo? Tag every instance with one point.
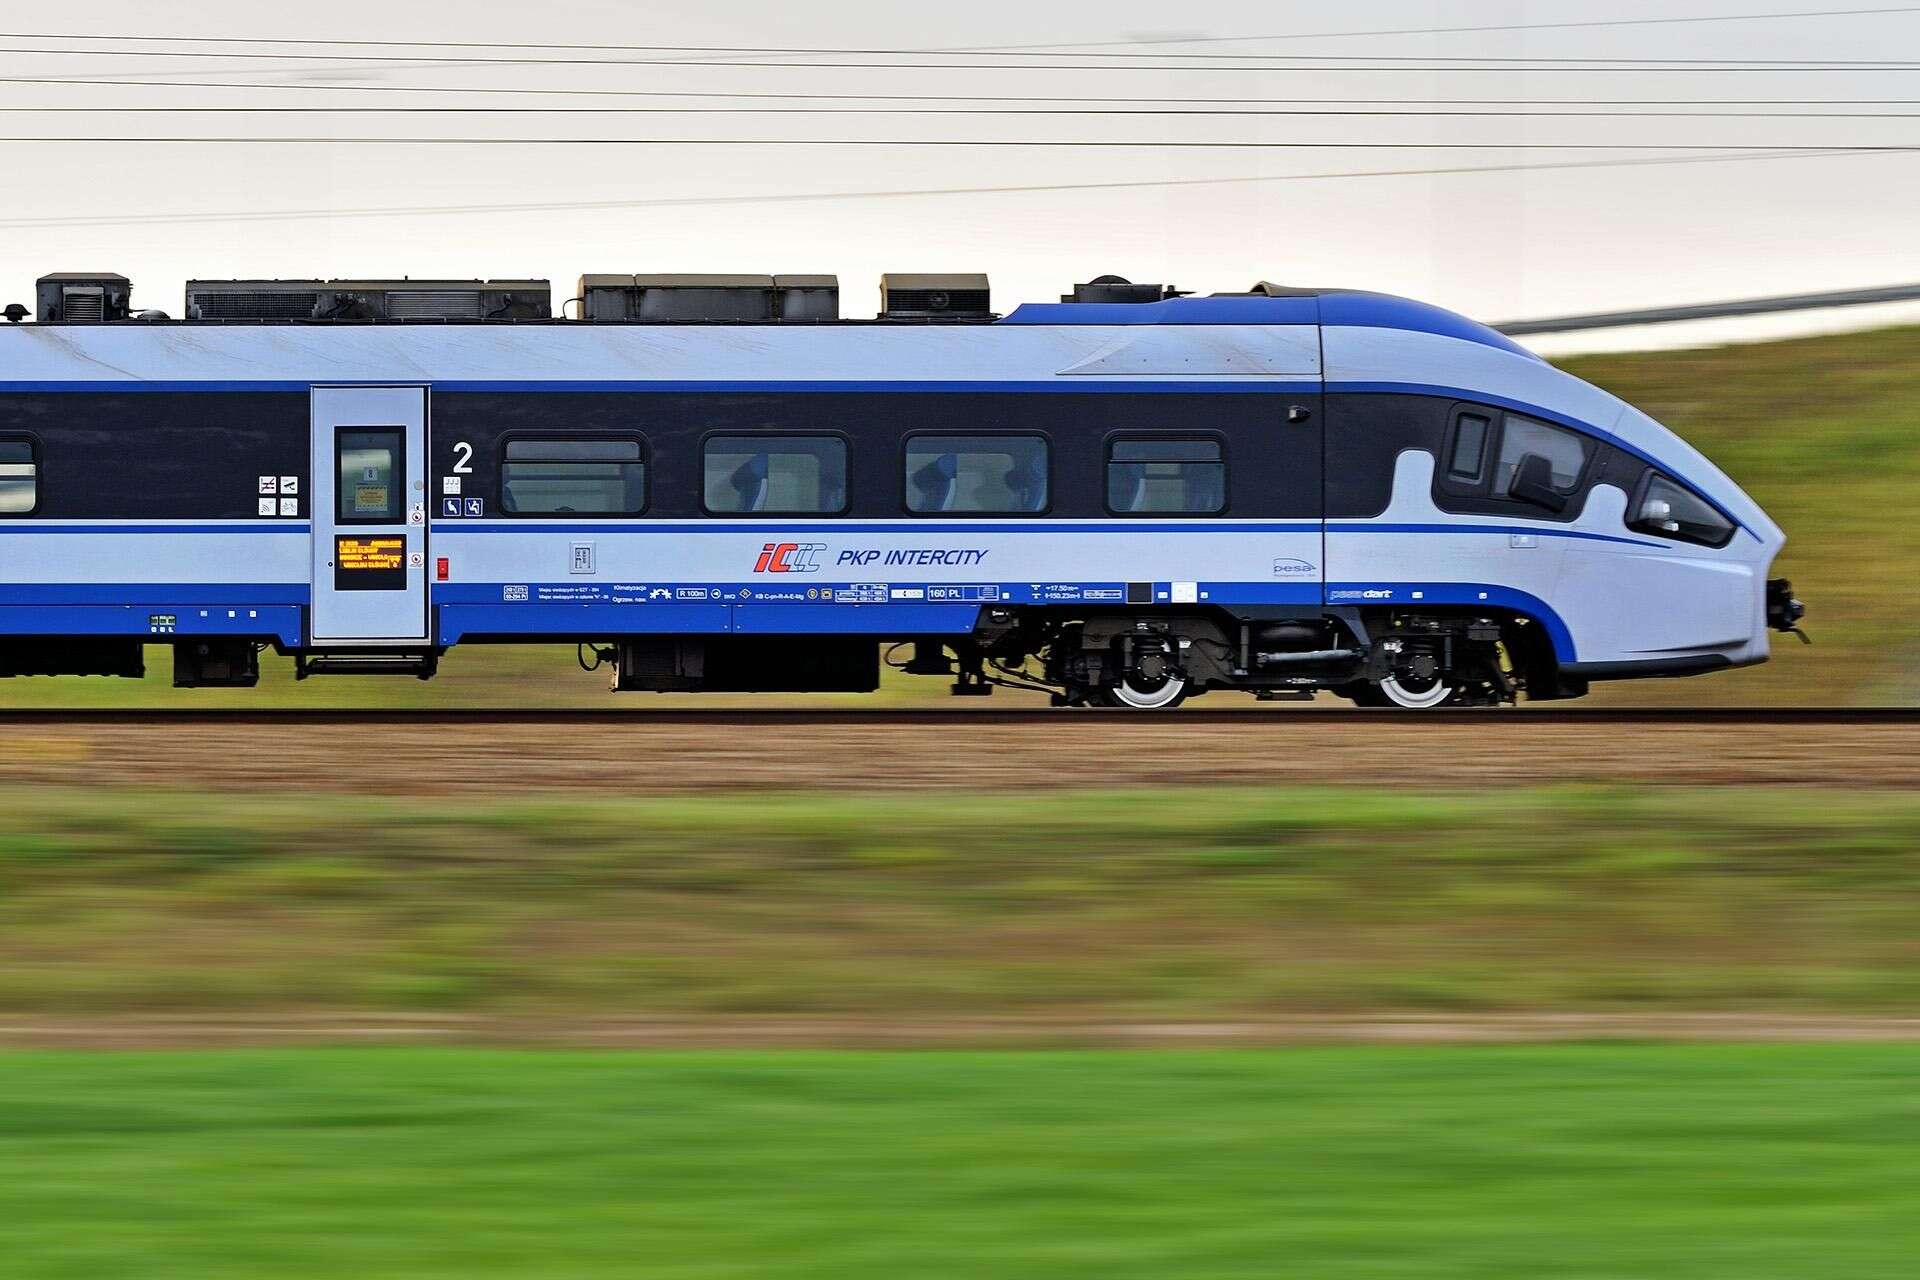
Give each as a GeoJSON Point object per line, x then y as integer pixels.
{"type": "Point", "coordinates": [82, 295]}
{"type": "Point", "coordinates": [369, 300]}
{"type": "Point", "coordinates": [935, 297]}
{"type": "Point", "coordinates": [709, 298]}
{"type": "Point", "coordinates": [1118, 289]}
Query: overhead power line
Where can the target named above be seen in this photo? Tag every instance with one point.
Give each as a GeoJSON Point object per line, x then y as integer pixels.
{"type": "Point", "coordinates": [1477, 30]}
{"type": "Point", "coordinates": [983, 143]}
{"type": "Point", "coordinates": [1241, 63]}
{"type": "Point", "coordinates": [817, 197]}
{"type": "Point", "coordinates": [1162, 113]}
{"type": "Point", "coordinates": [1184, 99]}
{"type": "Point", "coordinates": [1006, 51]}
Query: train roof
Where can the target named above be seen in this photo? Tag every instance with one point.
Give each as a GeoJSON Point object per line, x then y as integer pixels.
{"type": "Point", "coordinates": [1344, 308]}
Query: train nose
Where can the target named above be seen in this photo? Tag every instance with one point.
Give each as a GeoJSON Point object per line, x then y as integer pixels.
{"type": "Point", "coordinates": [1783, 610]}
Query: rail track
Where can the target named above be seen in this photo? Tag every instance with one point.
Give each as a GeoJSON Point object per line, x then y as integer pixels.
{"type": "Point", "coordinates": [969, 716]}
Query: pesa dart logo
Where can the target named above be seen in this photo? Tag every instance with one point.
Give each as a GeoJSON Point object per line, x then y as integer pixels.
{"type": "Point", "coordinates": [789, 557]}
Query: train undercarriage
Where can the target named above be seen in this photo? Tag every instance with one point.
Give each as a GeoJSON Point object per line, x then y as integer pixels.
{"type": "Point", "coordinates": [1130, 659]}
{"type": "Point", "coordinates": [1374, 657]}
{"type": "Point", "coordinates": [1140, 660]}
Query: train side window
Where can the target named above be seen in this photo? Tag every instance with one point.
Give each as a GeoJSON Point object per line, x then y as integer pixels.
{"type": "Point", "coordinates": [19, 478]}
{"type": "Point", "coordinates": [542, 475]}
{"type": "Point", "coordinates": [976, 475]}
{"type": "Point", "coordinates": [1666, 510]}
{"type": "Point", "coordinates": [775, 475]}
{"type": "Point", "coordinates": [1468, 462]}
{"type": "Point", "coordinates": [1165, 476]}
{"type": "Point", "coordinates": [1565, 451]}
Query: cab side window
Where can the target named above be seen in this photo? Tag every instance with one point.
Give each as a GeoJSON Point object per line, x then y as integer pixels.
{"type": "Point", "coordinates": [1495, 461]}
{"type": "Point", "coordinates": [1565, 452]}
{"type": "Point", "coordinates": [1666, 510]}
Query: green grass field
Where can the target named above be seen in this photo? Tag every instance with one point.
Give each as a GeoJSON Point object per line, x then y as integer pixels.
{"type": "Point", "coordinates": [1198, 903]}
{"type": "Point", "coordinates": [1597, 1163]}
{"type": "Point", "coordinates": [1822, 431]}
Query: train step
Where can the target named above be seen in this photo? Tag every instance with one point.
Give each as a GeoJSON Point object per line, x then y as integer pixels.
{"type": "Point", "coordinates": [378, 663]}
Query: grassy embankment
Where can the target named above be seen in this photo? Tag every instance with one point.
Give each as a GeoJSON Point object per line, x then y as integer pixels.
{"type": "Point", "coordinates": [1824, 432]}
{"type": "Point", "coordinates": [1572, 1162]}
{"type": "Point", "coordinates": [1196, 904]}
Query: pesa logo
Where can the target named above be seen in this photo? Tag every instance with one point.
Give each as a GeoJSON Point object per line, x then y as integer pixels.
{"type": "Point", "coordinates": [789, 557]}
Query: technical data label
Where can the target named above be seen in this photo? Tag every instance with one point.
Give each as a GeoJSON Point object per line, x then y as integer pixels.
{"type": "Point", "coordinates": [964, 594]}
{"type": "Point", "coordinates": [1103, 593]}
{"type": "Point", "coordinates": [861, 593]}
{"type": "Point", "coordinates": [370, 564]}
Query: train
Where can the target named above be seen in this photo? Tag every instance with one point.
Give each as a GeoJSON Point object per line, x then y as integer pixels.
{"type": "Point", "coordinates": [1127, 498]}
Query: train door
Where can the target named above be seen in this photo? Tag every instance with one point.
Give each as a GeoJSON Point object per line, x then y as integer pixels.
{"type": "Point", "coordinates": [369, 515]}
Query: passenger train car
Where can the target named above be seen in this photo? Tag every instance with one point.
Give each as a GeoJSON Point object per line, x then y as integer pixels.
{"type": "Point", "coordinates": [1128, 497]}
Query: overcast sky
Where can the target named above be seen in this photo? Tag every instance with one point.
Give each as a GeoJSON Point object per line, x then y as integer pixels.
{"type": "Point", "coordinates": [1496, 245]}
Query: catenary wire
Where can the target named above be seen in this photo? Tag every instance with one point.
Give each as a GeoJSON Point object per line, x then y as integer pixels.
{"type": "Point", "coordinates": [981, 143]}
{"type": "Point", "coordinates": [1336, 63]}
{"type": "Point", "coordinates": [940, 97]}
{"type": "Point", "coordinates": [1137, 49]}
{"type": "Point", "coordinates": [810, 197]}
{"type": "Point", "coordinates": [1158, 113]}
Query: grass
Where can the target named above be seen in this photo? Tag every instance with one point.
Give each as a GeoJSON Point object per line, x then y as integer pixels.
{"type": "Point", "coordinates": [1189, 904]}
{"type": "Point", "coordinates": [1822, 431]}
{"type": "Point", "coordinates": [1566, 1162]}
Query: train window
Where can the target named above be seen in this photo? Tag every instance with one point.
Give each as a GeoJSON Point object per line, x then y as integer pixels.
{"type": "Point", "coordinates": [542, 476]}
{"type": "Point", "coordinates": [776, 475]}
{"type": "Point", "coordinates": [975, 475]}
{"type": "Point", "coordinates": [371, 474]}
{"type": "Point", "coordinates": [1165, 475]}
{"type": "Point", "coordinates": [1482, 453]}
{"type": "Point", "coordinates": [1469, 459]}
{"type": "Point", "coordinates": [1566, 453]}
{"type": "Point", "coordinates": [1669, 511]}
{"type": "Point", "coordinates": [19, 478]}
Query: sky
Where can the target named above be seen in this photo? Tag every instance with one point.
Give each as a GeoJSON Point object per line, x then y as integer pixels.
{"type": "Point", "coordinates": [1496, 245]}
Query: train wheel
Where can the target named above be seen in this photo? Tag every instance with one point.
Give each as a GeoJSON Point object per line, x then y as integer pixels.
{"type": "Point", "coordinates": [1408, 693]}
{"type": "Point", "coordinates": [1141, 694]}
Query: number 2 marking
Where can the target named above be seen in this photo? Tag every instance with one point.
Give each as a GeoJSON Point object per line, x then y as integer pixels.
{"type": "Point", "coordinates": [463, 458]}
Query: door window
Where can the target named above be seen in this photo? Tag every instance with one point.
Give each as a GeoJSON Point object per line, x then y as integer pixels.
{"type": "Point", "coordinates": [371, 473]}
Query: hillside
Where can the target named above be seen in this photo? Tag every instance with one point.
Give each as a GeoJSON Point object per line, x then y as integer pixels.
{"type": "Point", "coordinates": [1820, 430]}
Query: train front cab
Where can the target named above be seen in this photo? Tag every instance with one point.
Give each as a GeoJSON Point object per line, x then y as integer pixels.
{"type": "Point", "coordinates": [1468, 476]}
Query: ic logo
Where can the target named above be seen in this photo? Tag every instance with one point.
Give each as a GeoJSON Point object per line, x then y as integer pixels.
{"type": "Point", "coordinates": [789, 557]}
